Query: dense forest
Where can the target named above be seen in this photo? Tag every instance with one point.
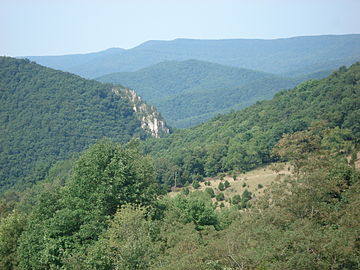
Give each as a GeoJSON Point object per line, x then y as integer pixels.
{"type": "Point", "coordinates": [190, 92]}
{"type": "Point", "coordinates": [107, 208]}
{"type": "Point", "coordinates": [46, 115]}
{"type": "Point", "coordinates": [243, 140]}
{"type": "Point", "coordinates": [297, 56]}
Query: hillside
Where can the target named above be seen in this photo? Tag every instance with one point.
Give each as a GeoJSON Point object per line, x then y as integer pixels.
{"type": "Point", "coordinates": [47, 115]}
{"type": "Point", "coordinates": [288, 56]}
{"type": "Point", "coordinates": [72, 61]}
{"type": "Point", "coordinates": [104, 209]}
{"type": "Point", "coordinates": [244, 140]}
{"type": "Point", "coordinates": [190, 92]}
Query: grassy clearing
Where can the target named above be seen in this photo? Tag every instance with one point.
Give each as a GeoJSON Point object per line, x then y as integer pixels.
{"type": "Point", "coordinates": [255, 181]}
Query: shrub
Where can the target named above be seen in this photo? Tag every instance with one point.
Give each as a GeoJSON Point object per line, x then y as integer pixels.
{"type": "Point", "coordinates": [221, 186]}
{"type": "Point", "coordinates": [236, 199]}
{"type": "Point", "coordinates": [220, 197]}
{"type": "Point", "coordinates": [195, 184]}
{"type": "Point", "coordinates": [210, 191]}
{"type": "Point", "coordinates": [185, 191]}
{"type": "Point", "coordinates": [226, 184]}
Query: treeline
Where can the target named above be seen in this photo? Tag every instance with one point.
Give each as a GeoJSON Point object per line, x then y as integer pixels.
{"type": "Point", "coordinates": [243, 140]}
{"type": "Point", "coordinates": [47, 115]}
{"type": "Point", "coordinates": [105, 212]}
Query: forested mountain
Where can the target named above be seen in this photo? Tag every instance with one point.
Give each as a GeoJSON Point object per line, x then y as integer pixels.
{"type": "Point", "coordinates": [192, 91]}
{"type": "Point", "coordinates": [289, 56]}
{"type": "Point", "coordinates": [102, 210]}
{"type": "Point", "coordinates": [243, 140]}
{"type": "Point", "coordinates": [47, 115]}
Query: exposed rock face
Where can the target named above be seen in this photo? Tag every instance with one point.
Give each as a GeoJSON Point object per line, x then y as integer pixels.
{"type": "Point", "coordinates": [151, 120]}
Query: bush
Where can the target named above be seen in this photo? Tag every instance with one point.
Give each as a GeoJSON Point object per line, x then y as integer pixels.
{"type": "Point", "coordinates": [221, 186]}
{"type": "Point", "coordinates": [220, 197]}
{"type": "Point", "coordinates": [185, 191]}
{"type": "Point", "coordinates": [195, 184]}
{"type": "Point", "coordinates": [260, 186]}
{"type": "Point", "coordinates": [198, 178]}
{"type": "Point", "coordinates": [226, 184]}
{"type": "Point", "coordinates": [236, 199]}
{"type": "Point", "coordinates": [210, 191]}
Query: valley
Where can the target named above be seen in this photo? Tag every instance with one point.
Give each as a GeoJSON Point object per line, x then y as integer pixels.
{"type": "Point", "coordinates": [258, 167]}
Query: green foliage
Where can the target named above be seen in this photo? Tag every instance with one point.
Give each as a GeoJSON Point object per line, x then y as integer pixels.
{"type": "Point", "coordinates": [128, 242]}
{"type": "Point", "coordinates": [195, 184]}
{"type": "Point", "coordinates": [220, 196]}
{"type": "Point", "coordinates": [245, 198]}
{"type": "Point", "coordinates": [193, 91]}
{"type": "Point", "coordinates": [68, 220]}
{"type": "Point", "coordinates": [226, 184]}
{"type": "Point", "coordinates": [47, 115]}
{"type": "Point", "coordinates": [196, 208]}
{"type": "Point", "coordinates": [11, 228]}
{"type": "Point", "coordinates": [236, 199]}
{"type": "Point", "coordinates": [243, 140]}
{"type": "Point", "coordinates": [210, 192]}
{"type": "Point", "coordinates": [185, 191]}
{"type": "Point", "coordinates": [260, 186]}
{"type": "Point", "coordinates": [221, 186]}
{"type": "Point", "coordinates": [310, 221]}
{"type": "Point", "coordinates": [103, 210]}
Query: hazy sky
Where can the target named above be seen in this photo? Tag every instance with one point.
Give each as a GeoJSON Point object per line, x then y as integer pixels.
{"type": "Point", "coordinates": [51, 27]}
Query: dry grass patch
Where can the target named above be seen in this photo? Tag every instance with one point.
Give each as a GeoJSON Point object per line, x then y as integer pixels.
{"type": "Point", "coordinates": [255, 181]}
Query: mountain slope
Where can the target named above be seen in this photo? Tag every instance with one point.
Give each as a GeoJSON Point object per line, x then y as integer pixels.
{"type": "Point", "coordinates": [243, 140]}
{"type": "Point", "coordinates": [288, 56]}
{"type": "Point", "coordinates": [72, 61]}
{"type": "Point", "coordinates": [191, 91]}
{"type": "Point", "coordinates": [46, 115]}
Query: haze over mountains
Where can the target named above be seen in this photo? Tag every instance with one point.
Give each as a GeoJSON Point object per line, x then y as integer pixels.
{"type": "Point", "coordinates": [191, 80]}
{"type": "Point", "coordinates": [289, 56]}
{"type": "Point", "coordinates": [192, 91]}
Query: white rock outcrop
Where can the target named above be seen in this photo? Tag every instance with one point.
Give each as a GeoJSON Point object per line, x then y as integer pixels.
{"type": "Point", "coordinates": [151, 120]}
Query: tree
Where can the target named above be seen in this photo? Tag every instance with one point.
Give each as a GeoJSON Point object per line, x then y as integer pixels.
{"type": "Point", "coordinates": [221, 186]}
{"type": "Point", "coordinates": [245, 198]}
{"type": "Point", "coordinates": [11, 228]}
{"type": "Point", "coordinates": [226, 184]}
{"type": "Point", "coordinates": [196, 208]}
{"type": "Point", "coordinates": [195, 184]}
{"type": "Point", "coordinates": [236, 199]}
{"type": "Point", "coordinates": [105, 177]}
{"type": "Point", "coordinates": [210, 192]}
{"type": "Point", "coordinates": [220, 196]}
{"type": "Point", "coordinates": [128, 241]}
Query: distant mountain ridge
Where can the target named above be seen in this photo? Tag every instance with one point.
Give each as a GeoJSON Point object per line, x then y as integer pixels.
{"type": "Point", "coordinates": [192, 91]}
{"type": "Point", "coordinates": [295, 56]}
{"type": "Point", "coordinates": [73, 61]}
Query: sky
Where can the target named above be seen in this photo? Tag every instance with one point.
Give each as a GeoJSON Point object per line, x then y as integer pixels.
{"type": "Point", "coordinates": [57, 27]}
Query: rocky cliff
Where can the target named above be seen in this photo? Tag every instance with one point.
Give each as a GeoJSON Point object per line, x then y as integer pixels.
{"type": "Point", "coordinates": [151, 120]}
